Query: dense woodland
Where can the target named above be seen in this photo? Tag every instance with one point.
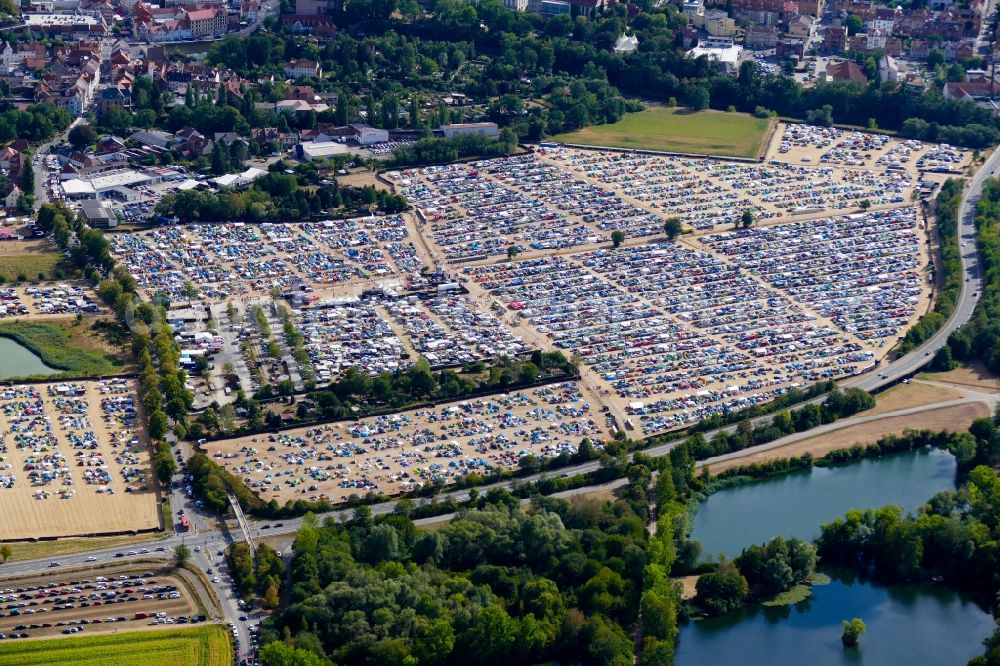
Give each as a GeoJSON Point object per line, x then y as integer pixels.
{"type": "Point", "coordinates": [501, 584]}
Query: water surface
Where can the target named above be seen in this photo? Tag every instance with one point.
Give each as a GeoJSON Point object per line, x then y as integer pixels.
{"type": "Point", "coordinates": [796, 504]}
{"type": "Point", "coordinates": [19, 361]}
{"type": "Point", "coordinates": [914, 625]}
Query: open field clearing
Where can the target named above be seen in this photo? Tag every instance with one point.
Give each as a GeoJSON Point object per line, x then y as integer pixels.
{"type": "Point", "coordinates": [975, 377]}
{"type": "Point", "coordinates": [27, 258]}
{"type": "Point", "coordinates": [677, 130]}
{"type": "Point", "coordinates": [200, 646]}
{"type": "Point", "coordinates": [75, 348]}
{"type": "Point", "coordinates": [904, 396]}
{"type": "Point", "coordinates": [74, 461]}
{"type": "Point", "coordinates": [954, 418]}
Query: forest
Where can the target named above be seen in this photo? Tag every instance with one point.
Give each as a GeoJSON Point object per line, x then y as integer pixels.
{"type": "Point", "coordinates": [501, 584]}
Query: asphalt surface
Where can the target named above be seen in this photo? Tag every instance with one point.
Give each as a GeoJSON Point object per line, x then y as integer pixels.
{"type": "Point", "coordinates": [209, 535]}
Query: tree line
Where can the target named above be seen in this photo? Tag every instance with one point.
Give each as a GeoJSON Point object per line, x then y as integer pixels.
{"type": "Point", "coordinates": [948, 201]}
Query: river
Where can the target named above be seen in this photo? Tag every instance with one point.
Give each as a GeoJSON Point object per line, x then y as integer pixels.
{"type": "Point", "coordinates": [796, 504]}
{"type": "Point", "coordinates": [19, 361]}
{"type": "Point", "coordinates": [916, 625]}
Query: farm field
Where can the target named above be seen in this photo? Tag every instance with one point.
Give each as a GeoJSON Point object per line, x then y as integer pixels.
{"type": "Point", "coordinates": [676, 130]}
{"type": "Point", "coordinates": [201, 646]}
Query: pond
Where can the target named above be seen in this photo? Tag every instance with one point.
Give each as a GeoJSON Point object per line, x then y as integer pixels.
{"type": "Point", "coordinates": [796, 504]}
{"type": "Point", "coordinates": [916, 625]}
{"type": "Point", "coordinates": [19, 361]}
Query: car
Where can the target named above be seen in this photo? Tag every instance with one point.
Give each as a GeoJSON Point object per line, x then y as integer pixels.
{"type": "Point", "coordinates": [119, 554]}
{"type": "Point", "coordinates": [243, 618]}
{"type": "Point", "coordinates": [54, 564]}
{"type": "Point", "coordinates": [91, 559]}
{"type": "Point", "coordinates": [132, 552]}
{"type": "Point", "coordinates": [215, 579]}
{"type": "Point", "coordinates": [197, 549]}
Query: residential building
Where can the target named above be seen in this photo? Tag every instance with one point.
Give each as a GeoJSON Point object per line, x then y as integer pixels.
{"type": "Point", "coordinates": [719, 24]}
{"type": "Point", "coordinates": [845, 70]}
{"type": "Point", "coordinates": [298, 69]}
{"type": "Point", "coordinates": [760, 37]}
{"type": "Point", "coordinates": [207, 22]}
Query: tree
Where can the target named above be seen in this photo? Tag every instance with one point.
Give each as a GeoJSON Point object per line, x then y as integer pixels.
{"type": "Point", "coordinates": [512, 251]}
{"type": "Point", "coordinates": [865, 204]}
{"type": "Point", "coordinates": [747, 218]}
{"type": "Point", "coordinates": [181, 555]}
{"type": "Point", "coordinates": [672, 228]}
{"type": "Point", "coordinates": [82, 135]}
{"type": "Point", "coordinates": [854, 24]}
{"type": "Point", "coordinates": [617, 238]}
{"type": "Point", "coordinates": [723, 590]}
{"type": "Point", "coordinates": [852, 631]}
{"type": "Point", "coordinates": [5, 553]}
{"type": "Point", "coordinates": [699, 98]}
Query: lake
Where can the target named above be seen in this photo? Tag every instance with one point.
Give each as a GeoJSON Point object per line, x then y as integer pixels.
{"type": "Point", "coordinates": [796, 504]}
{"type": "Point", "coordinates": [916, 625]}
{"type": "Point", "coordinates": [19, 361]}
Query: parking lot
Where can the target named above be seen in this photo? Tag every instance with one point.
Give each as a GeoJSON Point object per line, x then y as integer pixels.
{"type": "Point", "coordinates": [405, 451]}
{"type": "Point", "coordinates": [121, 598]}
{"type": "Point", "coordinates": [317, 258]}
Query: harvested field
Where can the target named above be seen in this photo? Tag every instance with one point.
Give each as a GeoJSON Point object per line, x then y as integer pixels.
{"type": "Point", "coordinates": [200, 646]}
{"type": "Point", "coordinates": [904, 396]}
{"type": "Point", "coordinates": [946, 418]}
{"type": "Point", "coordinates": [975, 377]}
{"type": "Point", "coordinates": [74, 461]}
{"type": "Point", "coordinates": [679, 130]}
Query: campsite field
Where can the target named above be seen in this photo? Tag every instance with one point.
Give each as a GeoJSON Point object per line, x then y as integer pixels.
{"type": "Point", "coordinates": [202, 646]}
{"type": "Point", "coordinates": [677, 130]}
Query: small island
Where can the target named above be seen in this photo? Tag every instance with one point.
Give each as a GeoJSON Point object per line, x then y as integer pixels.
{"type": "Point", "coordinates": [852, 631]}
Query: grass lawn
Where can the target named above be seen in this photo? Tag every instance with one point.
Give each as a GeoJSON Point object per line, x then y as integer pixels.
{"type": "Point", "coordinates": [76, 348]}
{"type": "Point", "coordinates": [30, 265]}
{"type": "Point", "coordinates": [678, 130]}
{"type": "Point", "coordinates": [197, 646]}
{"type": "Point", "coordinates": [36, 550]}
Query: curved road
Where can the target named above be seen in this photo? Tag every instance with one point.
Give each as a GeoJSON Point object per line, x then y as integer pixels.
{"type": "Point", "coordinates": [212, 537]}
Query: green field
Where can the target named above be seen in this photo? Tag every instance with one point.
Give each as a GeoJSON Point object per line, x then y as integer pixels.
{"type": "Point", "coordinates": [75, 348]}
{"type": "Point", "coordinates": [30, 265]}
{"type": "Point", "coordinates": [197, 646]}
{"type": "Point", "coordinates": [678, 130]}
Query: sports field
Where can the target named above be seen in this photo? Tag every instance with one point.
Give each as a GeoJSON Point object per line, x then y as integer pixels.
{"type": "Point", "coordinates": [678, 130]}
{"type": "Point", "coordinates": [201, 646]}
